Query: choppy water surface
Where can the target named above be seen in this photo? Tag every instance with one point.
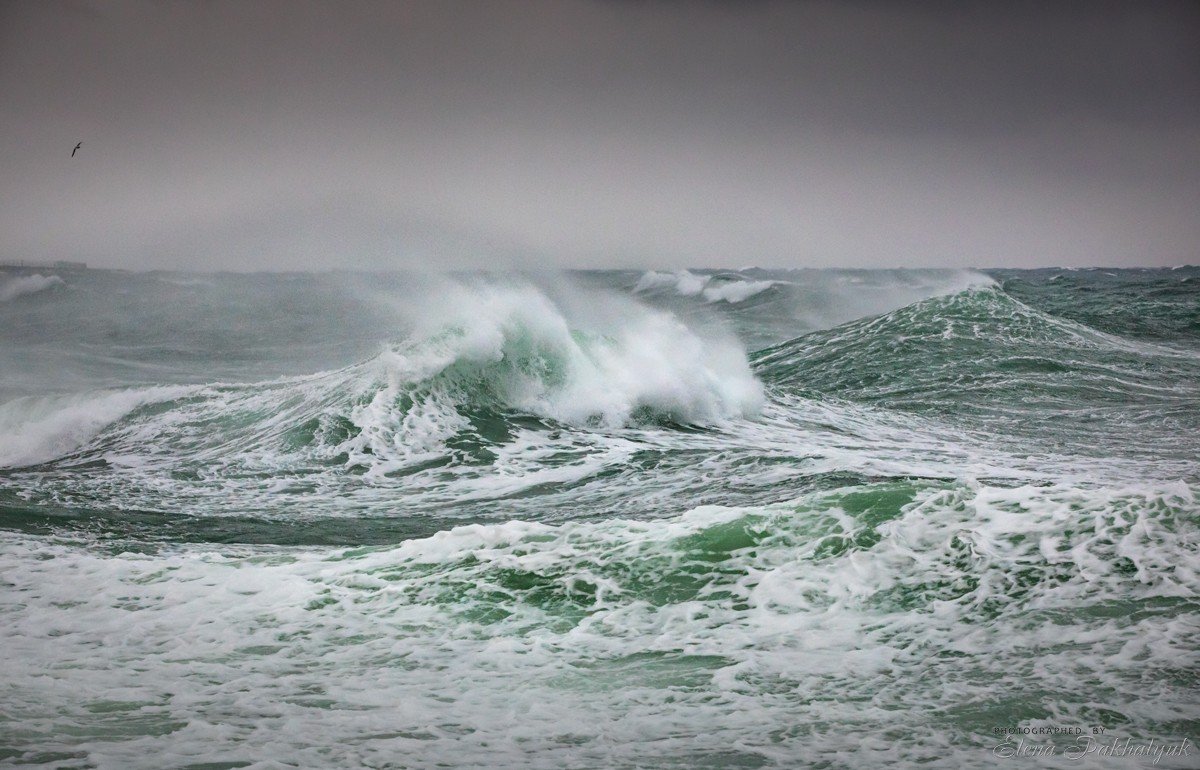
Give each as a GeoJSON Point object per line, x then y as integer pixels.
{"type": "Point", "coordinates": [625, 519]}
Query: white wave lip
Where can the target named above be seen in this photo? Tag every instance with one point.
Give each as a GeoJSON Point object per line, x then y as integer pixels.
{"type": "Point", "coordinates": [598, 362]}
{"type": "Point", "coordinates": [688, 284]}
{"type": "Point", "coordinates": [538, 359]}
{"type": "Point", "coordinates": [28, 284]}
{"type": "Point", "coordinates": [35, 430]}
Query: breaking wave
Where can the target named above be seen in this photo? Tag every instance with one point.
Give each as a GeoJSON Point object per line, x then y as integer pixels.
{"type": "Point", "coordinates": [546, 399]}
{"type": "Point", "coordinates": [28, 284]}
{"type": "Point", "coordinates": [479, 354]}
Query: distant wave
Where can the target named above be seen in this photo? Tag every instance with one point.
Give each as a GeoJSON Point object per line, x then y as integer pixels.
{"type": "Point", "coordinates": [185, 282]}
{"type": "Point", "coordinates": [28, 284]}
{"type": "Point", "coordinates": [953, 356]}
{"type": "Point", "coordinates": [711, 287]}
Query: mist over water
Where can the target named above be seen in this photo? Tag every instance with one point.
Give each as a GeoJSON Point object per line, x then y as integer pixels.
{"type": "Point", "coordinates": [704, 518]}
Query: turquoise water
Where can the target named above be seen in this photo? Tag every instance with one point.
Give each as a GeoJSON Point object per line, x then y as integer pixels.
{"type": "Point", "coordinates": [605, 519]}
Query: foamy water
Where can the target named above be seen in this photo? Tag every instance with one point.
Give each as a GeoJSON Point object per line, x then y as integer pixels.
{"type": "Point", "coordinates": [695, 519]}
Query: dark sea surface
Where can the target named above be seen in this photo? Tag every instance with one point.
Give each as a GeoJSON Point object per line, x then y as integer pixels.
{"type": "Point", "coordinates": [625, 519]}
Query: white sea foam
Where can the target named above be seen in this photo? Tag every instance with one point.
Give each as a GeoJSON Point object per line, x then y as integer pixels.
{"type": "Point", "coordinates": [721, 636]}
{"type": "Point", "coordinates": [20, 286]}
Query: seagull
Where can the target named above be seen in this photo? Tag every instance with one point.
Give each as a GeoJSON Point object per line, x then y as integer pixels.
{"type": "Point", "coordinates": [76, 149]}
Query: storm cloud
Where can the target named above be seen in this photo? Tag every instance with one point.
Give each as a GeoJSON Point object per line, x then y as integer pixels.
{"type": "Point", "coordinates": [590, 133]}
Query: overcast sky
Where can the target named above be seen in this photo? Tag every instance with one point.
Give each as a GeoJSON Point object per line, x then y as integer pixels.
{"type": "Point", "coordinates": [598, 133]}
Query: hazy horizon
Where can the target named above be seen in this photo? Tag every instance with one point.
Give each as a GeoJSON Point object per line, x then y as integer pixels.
{"type": "Point", "coordinates": [533, 270]}
{"type": "Point", "coordinates": [599, 134]}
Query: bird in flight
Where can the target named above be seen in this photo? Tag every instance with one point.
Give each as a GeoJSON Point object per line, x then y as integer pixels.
{"type": "Point", "coordinates": [76, 149]}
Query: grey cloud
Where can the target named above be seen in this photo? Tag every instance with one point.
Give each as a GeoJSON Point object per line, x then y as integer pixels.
{"type": "Point", "coordinates": [595, 133]}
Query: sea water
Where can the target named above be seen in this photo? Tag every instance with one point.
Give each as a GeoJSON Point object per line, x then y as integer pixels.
{"type": "Point", "coordinates": [683, 519]}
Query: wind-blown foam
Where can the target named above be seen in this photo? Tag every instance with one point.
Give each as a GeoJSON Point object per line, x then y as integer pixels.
{"type": "Point", "coordinates": [28, 284]}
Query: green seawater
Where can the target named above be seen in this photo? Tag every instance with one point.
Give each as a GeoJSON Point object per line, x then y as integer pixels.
{"type": "Point", "coordinates": [606, 519]}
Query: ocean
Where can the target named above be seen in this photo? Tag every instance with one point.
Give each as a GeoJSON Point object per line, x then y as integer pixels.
{"type": "Point", "coordinates": [619, 519]}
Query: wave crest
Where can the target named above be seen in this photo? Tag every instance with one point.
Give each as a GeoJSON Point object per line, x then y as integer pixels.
{"type": "Point", "coordinates": [40, 429]}
{"type": "Point", "coordinates": [28, 284]}
{"type": "Point", "coordinates": [479, 358]}
{"type": "Point", "coordinates": [514, 348]}
{"type": "Point", "coordinates": [713, 288]}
